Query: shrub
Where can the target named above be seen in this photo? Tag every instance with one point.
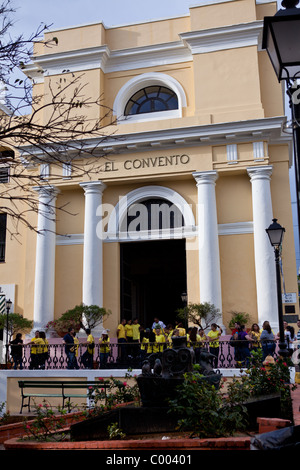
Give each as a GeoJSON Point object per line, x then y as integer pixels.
{"type": "Point", "coordinates": [207, 412]}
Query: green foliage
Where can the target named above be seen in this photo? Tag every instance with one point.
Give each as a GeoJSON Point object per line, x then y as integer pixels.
{"type": "Point", "coordinates": [81, 316]}
{"type": "Point", "coordinates": [4, 415]}
{"type": "Point", "coordinates": [16, 323]}
{"type": "Point", "coordinates": [205, 411]}
{"type": "Point", "coordinates": [47, 425]}
{"type": "Point", "coordinates": [117, 392]}
{"type": "Point", "coordinates": [241, 317]}
{"type": "Point", "coordinates": [114, 432]}
{"type": "Point", "coordinates": [271, 378]}
{"type": "Point", "coordinates": [201, 314]}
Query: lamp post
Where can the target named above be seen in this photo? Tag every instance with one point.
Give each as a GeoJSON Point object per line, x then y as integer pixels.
{"type": "Point", "coordinates": [275, 233]}
{"type": "Point", "coordinates": [281, 39]}
{"type": "Point", "coordinates": [8, 307]}
{"type": "Point", "coordinates": [184, 299]}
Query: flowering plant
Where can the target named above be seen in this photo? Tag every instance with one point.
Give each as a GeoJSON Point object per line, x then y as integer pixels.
{"type": "Point", "coordinates": [206, 411]}
{"type": "Point", "coordinates": [47, 425]}
{"type": "Point", "coordinates": [271, 377]}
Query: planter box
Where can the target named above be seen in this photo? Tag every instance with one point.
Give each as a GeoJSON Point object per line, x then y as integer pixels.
{"type": "Point", "coordinates": [266, 406]}
{"type": "Point", "coordinates": [16, 430]}
{"type": "Point", "coordinates": [228, 443]}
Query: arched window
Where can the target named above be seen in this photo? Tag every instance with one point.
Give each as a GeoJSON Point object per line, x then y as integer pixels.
{"type": "Point", "coordinates": [149, 96]}
{"type": "Point", "coordinates": [150, 100]}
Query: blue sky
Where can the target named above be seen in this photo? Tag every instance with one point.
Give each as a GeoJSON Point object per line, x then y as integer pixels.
{"type": "Point", "coordinates": [64, 13]}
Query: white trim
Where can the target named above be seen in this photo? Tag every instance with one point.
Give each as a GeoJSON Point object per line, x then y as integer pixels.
{"type": "Point", "coordinates": [142, 81]}
{"type": "Point", "coordinates": [142, 194]}
{"type": "Point", "coordinates": [192, 42]}
{"type": "Point", "coordinates": [225, 37]}
{"type": "Point", "coordinates": [232, 153]}
{"type": "Point", "coordinates": [268, 129]}
{"type": "Point", "coordinates": [234, 228]}
{"type": "Point", "coordinates": [258, 151]}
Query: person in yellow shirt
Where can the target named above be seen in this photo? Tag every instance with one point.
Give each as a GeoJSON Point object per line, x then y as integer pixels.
{"type": "Point", "coordinates": [136, 337]}
{"type": "Point", "coordinates": [129, 337]}
{"type": "Point", "coordinates": [34, 351]}
{"type": "Point", "coordinates": [195, 341]}
{"type": "Point", "coordinates": [76, 348]}
{"type": "Point", "coordinates": [175, 332]}
{"type": "Point", "coordinates": [88, 355]}
{"type": "Point", "coordinates": [213, 337]}
{"type": "Point", "coordinates": [104, 342]}
{"type": "Point", "coordinates": [181, 329]}
{"type": "Point", "coordinates": [121, 335]}
{"type": "Point", "coordinates": [43, 346]}
{"type": "Point", "coordinates": [145, 335]}
{"type": "Point", "coordinates": [255, 335]}
{"type": "Point", "coordinates": [159, 341]}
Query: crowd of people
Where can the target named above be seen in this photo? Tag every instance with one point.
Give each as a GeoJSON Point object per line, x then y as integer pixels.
{"type": "Point", "coordinates": [261, 338]}
{"type": "Point", "coordinates": [136, 342]}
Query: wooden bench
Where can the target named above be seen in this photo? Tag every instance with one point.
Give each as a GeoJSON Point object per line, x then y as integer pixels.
{"type": "Point", "coordinates": [59, 389]}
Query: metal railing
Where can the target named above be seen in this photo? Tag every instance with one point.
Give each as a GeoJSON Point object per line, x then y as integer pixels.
{"type": "Point", "coordinates": [128, 355]}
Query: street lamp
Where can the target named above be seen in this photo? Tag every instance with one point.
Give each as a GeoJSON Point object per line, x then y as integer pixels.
{"type": "Point", "coordinates": [184, 299]}
{"type": "Point", "coordinates": [281, 39]}
{"type": "Point", "coordinates": [275, 233]}
{"type": "Point", "coordinates": [8, 307]}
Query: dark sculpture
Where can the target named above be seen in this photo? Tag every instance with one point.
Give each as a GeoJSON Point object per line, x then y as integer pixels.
{"type": "Point", "coordinates": [163, 372]}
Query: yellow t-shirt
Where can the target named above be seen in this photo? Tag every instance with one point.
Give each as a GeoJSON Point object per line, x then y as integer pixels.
{"type": "Point", "coordinates": [76, 345]}
{"type": "Point", "coordinates": [158, 345]}
{"type": "Point", "coordinates": [37, 345]}
{"type": "Point", "coordinates": [181, 331]}
{"type": "Point", "coordinates": [45, 346]}
{"type": "Point", "coordinates": [193, 344]}
{"type": "Point", "coordinates": [144, 344]}
{"type": "Point", "coordinates": [121, 331]}
{"type": "Point", "coordinates": [136, 331]}
{"type": "Point", "coordinates": [104, 345]}
{"type": "Point", "coordinates": [214, 335]}
{"type": "Point", "coordinates": [90, 339]}
{"type": "Point", "coordinates": [256, 336]}
{"type": "Point", "coordinates": [129, 331]}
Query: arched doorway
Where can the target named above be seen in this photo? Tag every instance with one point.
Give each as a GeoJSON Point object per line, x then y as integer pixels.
{"type": "Point", "coordinates": [151, 223]}
{"type": "Point", "coordinates": [153, 272]}
{"type": "Point", "coordinates": [153, 277]}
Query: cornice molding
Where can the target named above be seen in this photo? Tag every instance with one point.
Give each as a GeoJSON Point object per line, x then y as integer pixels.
{"type": "Point", "coordinates": [182, 51]}
{"type": "Point", "coordinates": [267, 129]}
{"type": "Point", "coordinates": [226, 37]}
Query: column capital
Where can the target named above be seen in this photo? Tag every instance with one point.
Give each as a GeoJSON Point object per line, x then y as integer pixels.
{"type": "Point", "coordinates": [93, 187]}
{"type": "Point", "coordinates": [260, 172]}
{"type": "Point", "coordinates": [205, 177]}
{"type": "Point", "coordinates": [47, 190]}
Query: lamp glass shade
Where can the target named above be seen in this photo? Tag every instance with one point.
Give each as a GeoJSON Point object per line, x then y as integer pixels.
{"type": "Point", "coordinates": [8, 304]}
{"type": "Point", "coordinates": [281, 39]}
{"type": "Point", "coordinates": [184, 297]}
{"type": "Point", "coordinates": [275, 233]}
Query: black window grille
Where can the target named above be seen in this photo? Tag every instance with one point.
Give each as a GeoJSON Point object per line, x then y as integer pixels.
{"type": "Point", "coordinates": [4, 175]}
{"type": "Point", "coordinates": [150, 100]}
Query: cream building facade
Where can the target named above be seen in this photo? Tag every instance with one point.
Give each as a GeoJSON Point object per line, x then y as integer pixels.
{"type": "Point", "coordinates": [193, 170]}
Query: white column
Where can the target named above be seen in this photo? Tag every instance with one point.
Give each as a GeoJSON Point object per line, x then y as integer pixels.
{"type": "Point", "coordinates": [92, 288]}
{"type": "Point", "coordinates": [263, 252]}
{"type": "Point", "coordinates": [209, 257]}
{"type": "Point", "coordinates": [45, 257]}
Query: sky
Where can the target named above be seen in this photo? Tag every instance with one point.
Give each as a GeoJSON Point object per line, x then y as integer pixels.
{"type": "Point", "coordinates": [64, 13]}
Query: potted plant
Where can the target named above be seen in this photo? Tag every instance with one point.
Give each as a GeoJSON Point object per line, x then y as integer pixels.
{"type": "Point", "coordinates": [80, 317]}
{"type": "Point", "coordinates": [238, 317]}
{"type": "Point", "coordinates": [201, 314]}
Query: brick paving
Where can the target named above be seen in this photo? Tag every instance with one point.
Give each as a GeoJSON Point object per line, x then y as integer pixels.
{"type": "Point", "coordinates": [296, 405]}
